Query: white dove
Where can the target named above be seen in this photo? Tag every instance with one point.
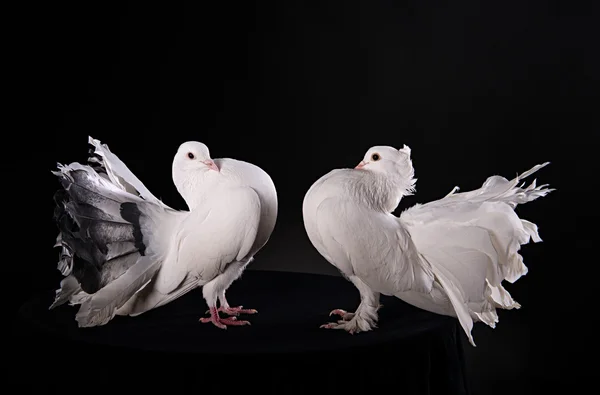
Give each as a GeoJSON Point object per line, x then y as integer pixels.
{"type": "Point", "coordinates": [125, 252]}
{"type": "Point", "coordinates": [448, 256]}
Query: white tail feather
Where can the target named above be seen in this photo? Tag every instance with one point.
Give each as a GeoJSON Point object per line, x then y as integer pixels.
{"type": "Point", "coordinates": [101, 307]}
{"type": "Point", "coordinates": [146, 300]}
{"type": "Point", "coordinates": [456, 299]}
{"type": "Point", "coordinates": [120, 174]}
{"type": "Point", "coordinates": [68, 287]}
{"type": "Point", "coordinates": [472, 241]}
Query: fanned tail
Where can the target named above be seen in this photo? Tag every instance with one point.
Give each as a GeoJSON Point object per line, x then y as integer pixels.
{"type": "Point", "coordinates": [118, 173]}
{"type": "Point", "coordinates": [98, 241]}
{"type": "Point", "coordinates": [472, 241]}
{"type": "Point", "coordinates": [497, 188]}
{"type": "Point", "coordinates": [102, 307]}
{"type": "Point", "coordinates": [103, 235]}
{"type": "Point", "coordinates": [69, 286]}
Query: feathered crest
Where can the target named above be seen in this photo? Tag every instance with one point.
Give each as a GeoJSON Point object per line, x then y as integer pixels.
{"type": "Point", "coordinates": [408, 182]}
{"type": "Point", "coordinates": [406, 150]}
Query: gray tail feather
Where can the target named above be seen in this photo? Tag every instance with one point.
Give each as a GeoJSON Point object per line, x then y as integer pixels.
{"type": "Point", "coordinates": [99, 232]}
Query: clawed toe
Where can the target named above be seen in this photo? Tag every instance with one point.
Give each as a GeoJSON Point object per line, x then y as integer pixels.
{"type": "Point", "coordinates": [350, 322]}
{"type": "Point", "coordinates": [342, 313]}
{"type": "Point", "coordinates": [234, 311]}
{"type": "Point", "coordinates": [348, 326]}
{"type": "Point", "coordinates": [238, 310]}
{"type": "Point", "coordinates": [222, 323]}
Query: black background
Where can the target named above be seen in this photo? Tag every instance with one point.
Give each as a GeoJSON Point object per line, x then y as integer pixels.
{"type": "Point", "coordinates": [299, 88]}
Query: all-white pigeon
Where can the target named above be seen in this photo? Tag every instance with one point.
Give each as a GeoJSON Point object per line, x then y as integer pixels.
{"type": "Point", "coordinates": [125, 252]}
{"type": "Point", "coordinates": [448, 256]}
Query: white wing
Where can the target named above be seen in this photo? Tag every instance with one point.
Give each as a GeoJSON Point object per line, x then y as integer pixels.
{"type": "Point", "coordinates": [209, 238]}
{"type": "Point", "coordinates": [372, 246]}
{"type": "Point", "coordinates": [254, 177]}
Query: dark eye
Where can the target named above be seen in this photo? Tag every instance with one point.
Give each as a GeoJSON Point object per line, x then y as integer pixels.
{"type": "Point", "coordinates": [375, 157]}
{"type": "Point", "coordinates": [190, 155]}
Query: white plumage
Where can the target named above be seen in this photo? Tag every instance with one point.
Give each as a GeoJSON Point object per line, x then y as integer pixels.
{"type": "Point", "coordinates": [448, 256]}
{"type": "Point", "coordinates": [125, 252]}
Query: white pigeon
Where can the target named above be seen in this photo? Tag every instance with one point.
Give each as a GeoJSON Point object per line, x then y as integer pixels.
{"type": "Point", "coordinates": [448, 256]}
{"type": "Point", "coordinates": [125, 252]}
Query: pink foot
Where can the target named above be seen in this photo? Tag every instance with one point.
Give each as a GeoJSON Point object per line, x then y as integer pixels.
{"type": "Point", "coordinates": [222, 322]}
{"type": "Point", "coordinates": [342, 313]}
{"type": "Point", "coordinates": [348, 326]}
{"type": "Point", "coordinates": [235, 310]}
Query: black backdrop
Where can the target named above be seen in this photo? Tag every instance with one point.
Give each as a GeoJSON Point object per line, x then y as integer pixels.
{"type": "Point", "coordinates": [475, 89]}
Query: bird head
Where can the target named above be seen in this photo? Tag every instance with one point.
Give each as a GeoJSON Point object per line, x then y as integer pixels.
{"type": "Point", "coordinates": [193, 156]}
{"type": "Point", "coordinates": [194, 171]}
{"type": "Point", "coordinates": [388, 161]}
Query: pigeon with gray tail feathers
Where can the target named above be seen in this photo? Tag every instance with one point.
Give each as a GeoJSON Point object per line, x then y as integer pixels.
{"type": "Point", "coordinates": [124, 252]}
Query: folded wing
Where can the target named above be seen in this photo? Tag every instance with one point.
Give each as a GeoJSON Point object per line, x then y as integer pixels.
{"type": "Point", "coordinates": [372, 246]}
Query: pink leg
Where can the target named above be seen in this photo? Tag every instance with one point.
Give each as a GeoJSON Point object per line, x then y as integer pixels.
{"type": "Point", "coordinates": [222, 322]}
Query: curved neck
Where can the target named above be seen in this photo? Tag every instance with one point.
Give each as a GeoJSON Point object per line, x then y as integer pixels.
{"type": "Point", "coordinates": [381, 192]}
{"type": "Point", "coordinates": [193, 187]}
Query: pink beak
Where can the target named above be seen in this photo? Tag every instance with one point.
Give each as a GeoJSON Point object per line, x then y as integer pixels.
{"type": "Point", "coordinates": [361, 165]}
{"type": "Point", "coordinates": [211, 165]}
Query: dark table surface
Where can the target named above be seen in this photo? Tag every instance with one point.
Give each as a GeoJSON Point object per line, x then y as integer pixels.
{"type": "Point", "coordinates": [291, 307]}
